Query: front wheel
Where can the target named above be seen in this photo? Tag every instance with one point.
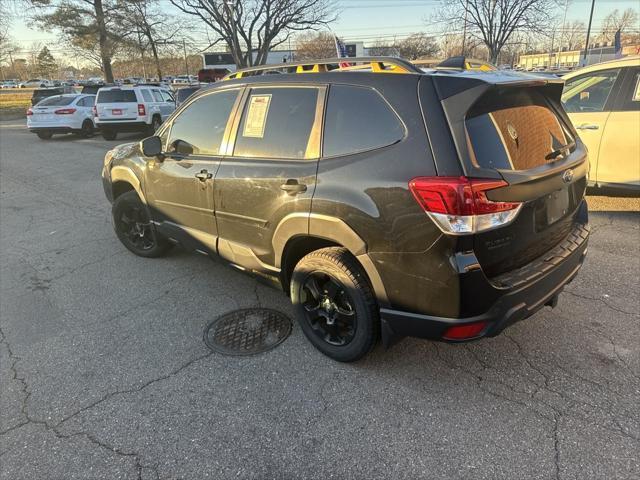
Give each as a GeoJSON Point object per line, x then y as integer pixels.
{"type": "Point", "coordinates": [134, 228]}
{"type": "Point", "coordinates": [335, 305]}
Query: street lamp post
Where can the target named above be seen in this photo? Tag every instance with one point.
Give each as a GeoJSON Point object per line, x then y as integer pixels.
{"type": "Point", "coordinates": [586, 45]}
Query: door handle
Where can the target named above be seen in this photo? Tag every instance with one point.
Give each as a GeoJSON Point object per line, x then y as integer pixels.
{"type": "Point", "coordinates": [292, 187]}
{"type": "Point", "coordinates": [203, 175]}
{"type": "Point", "coordinates": [586, 126]}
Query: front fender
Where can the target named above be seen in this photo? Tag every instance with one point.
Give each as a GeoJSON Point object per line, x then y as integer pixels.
{"type": "Point", "coordinates": [124, 174]}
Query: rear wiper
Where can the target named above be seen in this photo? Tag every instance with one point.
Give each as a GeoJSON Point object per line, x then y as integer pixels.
{"type": "Point", "coordinates": [556, 153]}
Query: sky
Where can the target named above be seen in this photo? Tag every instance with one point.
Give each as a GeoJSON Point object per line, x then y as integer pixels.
{"type": "Point", "coordinates": [367, 20]}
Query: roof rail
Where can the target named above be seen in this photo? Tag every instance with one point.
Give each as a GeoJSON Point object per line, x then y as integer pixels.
{"type": "Point", "coordinates": [377, 65]}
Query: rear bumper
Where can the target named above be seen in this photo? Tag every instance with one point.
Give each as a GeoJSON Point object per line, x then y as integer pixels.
{"type": "Point", "coordinates": [118, 126]}
{"type": "Point", "coordinates": [519, 294]}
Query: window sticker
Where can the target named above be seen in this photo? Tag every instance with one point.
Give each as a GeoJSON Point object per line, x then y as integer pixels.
{"type": "Point", "coordinates": [256, 116]}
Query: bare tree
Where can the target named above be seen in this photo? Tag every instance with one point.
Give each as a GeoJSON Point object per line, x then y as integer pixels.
{"type": "Point", "coordinates": [572, 36]}
{"type": "Point", "coordinates": [618, 21]}
{"type": "Point", "coordinates": [256, 26]}
{"type": "Point", "coordinates": [315, 46]}
{"type": "Point", "coordinates": [383, 49]}
{"type": "Point", "coordinates": [416, 46]}
{"type": "Point", "coordinates": [495, 21]}
{"type": "Point", "coordinates": [150, 29]}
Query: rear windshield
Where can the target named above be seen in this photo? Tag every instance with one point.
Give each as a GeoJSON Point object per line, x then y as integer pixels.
{"type": "Point", "coordinates": [56, 101]}
{"type": "Point", "coordinates": [516, 130]}
{"type": "Point", "coordinates": [117, 96]}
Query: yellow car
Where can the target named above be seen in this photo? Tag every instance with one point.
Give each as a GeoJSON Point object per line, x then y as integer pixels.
{"type": "Point", "coordinates": [603, 102]}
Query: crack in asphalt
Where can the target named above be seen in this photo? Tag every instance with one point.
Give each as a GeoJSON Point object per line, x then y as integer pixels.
{"type": "Point", "coordinates": [55, 429]}
{"type": "Point", "coordinates": [612, 307]}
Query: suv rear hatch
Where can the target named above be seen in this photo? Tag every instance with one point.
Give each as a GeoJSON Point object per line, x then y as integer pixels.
{"type": "Point", "coordinates": [117, 104]}
{"type": "Point", "coordinates": [512, 128]}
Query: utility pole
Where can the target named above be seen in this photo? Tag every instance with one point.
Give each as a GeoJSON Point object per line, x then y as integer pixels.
{"type": "Point", "coordinates": [586, 45]}
{"type": "Point", "coordinates": [464, 28]}
{"type": "Point", "coordinates": [184, 51]}
{"type": "Point", "coordinates": [563, 31]}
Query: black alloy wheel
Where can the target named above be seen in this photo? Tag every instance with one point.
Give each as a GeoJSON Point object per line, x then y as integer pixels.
{"type": "Point", "coordinates": [335, 304]}
{"type": "Point", "coordinates": [329, 309]}
{"type": "Point", "coordinates": [134, 228]}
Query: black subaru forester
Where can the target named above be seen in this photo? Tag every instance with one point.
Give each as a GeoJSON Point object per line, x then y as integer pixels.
{"type": "Point", "coordinates": [387, 201]}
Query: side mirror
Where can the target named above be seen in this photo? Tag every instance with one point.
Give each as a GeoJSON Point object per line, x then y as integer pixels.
{"type": "Point", "coordinates": [151, 146]}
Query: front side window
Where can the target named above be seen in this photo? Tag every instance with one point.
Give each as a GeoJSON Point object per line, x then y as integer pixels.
{"type": "Point", "coordinates": [166, 96]}
{"type": "Point", "coordinates": [199, 128]}
{"type": "Point", "coordinates": [277, 123]}
{"type": "Point", "coordinates": [589, 92]}
{"type": "Point", "coordinates": [156, 95]}
{"type": "Point", "coordinates": [358, 119]}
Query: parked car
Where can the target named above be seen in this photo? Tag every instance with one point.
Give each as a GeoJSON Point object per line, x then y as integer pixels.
{"type": "Point", "coordinates": [36, 83]}
{"type": "Point", "coordinates": [603, 102]}
{"type": "Point", "coordinates": [185, 92]}
{"type": "Point", "coordinates": [93, 89]}
{"type": "Point", "coordinates": [42, 93]}
{"type": "Point", "coordinates": [420, 204]}
{"type": "Point", "coordinates": [132, 108]}
{"type": "Point", "coordinates": [62, 114]}
{"type": "Point", "coordinates": [9, 84]}
{"type": "Point", "coordinates": [184, 79]}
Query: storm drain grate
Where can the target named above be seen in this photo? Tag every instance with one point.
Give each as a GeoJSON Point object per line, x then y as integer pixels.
{"type": "Point", "coordinates": [247, 332]}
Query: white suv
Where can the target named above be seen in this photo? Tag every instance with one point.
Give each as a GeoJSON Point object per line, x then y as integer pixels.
{"type": "Point", "coordinates": [36, 83]}
{"type": "Point", "coordinates": [131, 108]}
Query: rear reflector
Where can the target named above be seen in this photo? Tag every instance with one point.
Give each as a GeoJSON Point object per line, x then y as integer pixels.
{"type": "Point", "coordinates": [141, 110]}
{"type": "Point", "coordinates": [65, 111]}
{"type": "Point", "coordinates": [463, 332]}
{"type": "Point", "coordinates": [459, 205]}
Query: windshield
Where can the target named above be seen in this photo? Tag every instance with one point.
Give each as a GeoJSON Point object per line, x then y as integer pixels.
{"type": "Point", "coordinates": [116, 96]}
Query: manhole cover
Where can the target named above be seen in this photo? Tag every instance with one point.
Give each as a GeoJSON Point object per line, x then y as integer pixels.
{"type": "Point", "coordinates": [246, 332]}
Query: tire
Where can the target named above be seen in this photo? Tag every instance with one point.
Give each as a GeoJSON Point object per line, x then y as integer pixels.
{"type": "Point", "coordinates": [87, 129]}
{"type": "Point", "coordinates": [341, 319]}
{"type": "Point", "coordinates": [44, 135]}
{"type": "Point", "coordinates": [134, 229]}
{"type": "Point", "coordinates": [155, 125]}
{"type": "Point", "coordinates": [109, 134]}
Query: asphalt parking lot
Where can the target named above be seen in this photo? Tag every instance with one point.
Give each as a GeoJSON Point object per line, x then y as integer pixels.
{"type": "Point", "coordinates": [104, 373]}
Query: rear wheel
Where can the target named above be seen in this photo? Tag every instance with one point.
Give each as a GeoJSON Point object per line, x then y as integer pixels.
{"type": "Point", "coordinates": [87, 129]}
{"type": "Point", "coordinates": [155, 125]}
{"type": "Point", "coordinates": [134, 228]}
{"type": "Point", "coordinates": [335, 305]}
{"type": "Point", "coordinates": [108, 134]}
{"type": "Point", "coordinates": [45, 135]}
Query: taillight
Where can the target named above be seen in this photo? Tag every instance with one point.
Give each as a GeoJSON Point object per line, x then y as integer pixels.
{"type": "Point", "coordinates": [29, 112]}
{"type": "Point", "coordinates": [459, 205]}
{"type": "Point", "coordinates": [95, 111]}
{"type": "Point", "coordinates": [141, 110]}
{"type": "Point", "coordinates": [464, 332]}
{"type": "Point", "coordinates": [65, 111]}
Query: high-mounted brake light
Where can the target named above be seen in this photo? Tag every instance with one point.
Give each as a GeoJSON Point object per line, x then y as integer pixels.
{"type": "Point", "coordinates": [141, 110]}
{"type": "Point", "coordinates": [65, 111]}
{"type": "Point", "coordinates": [459, 205]}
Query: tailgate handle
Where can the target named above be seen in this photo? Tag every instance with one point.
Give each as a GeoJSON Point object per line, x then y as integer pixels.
{"type": "Point", "coordinates": [586, 126]}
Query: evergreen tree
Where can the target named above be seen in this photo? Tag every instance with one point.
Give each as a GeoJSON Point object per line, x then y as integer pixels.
{"type": "Point", "coordinates": [45, 63]}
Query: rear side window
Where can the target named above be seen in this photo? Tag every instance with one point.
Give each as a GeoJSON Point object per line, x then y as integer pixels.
{"type": "Point", "coordinates": [199, 128]}
{"type": "Point", "coordinates": [277, 123]}
{"type": "Point", "coordinates": [515, 130]}
{"type": "Point", "coordinates": [358, 119]}
{"type": "Point", "coordinates": [56, 101]}
{"type": "Point", "coordinates": [146, 95]}
{"type": "Point", "coordinates": [116, 96]}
